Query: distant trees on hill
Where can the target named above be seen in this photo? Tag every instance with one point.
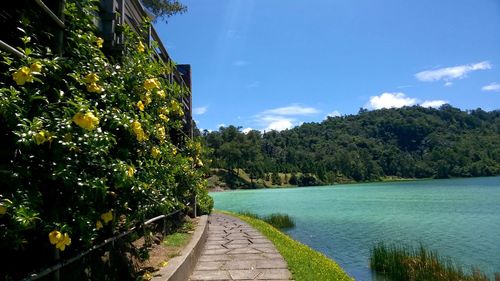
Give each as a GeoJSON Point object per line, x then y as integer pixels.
{"type": "Point", "coordinates": [409, 142]}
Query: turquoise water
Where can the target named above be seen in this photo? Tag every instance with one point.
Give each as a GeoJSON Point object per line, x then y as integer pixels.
{"type": "Point", "coordinates": [459, 218]}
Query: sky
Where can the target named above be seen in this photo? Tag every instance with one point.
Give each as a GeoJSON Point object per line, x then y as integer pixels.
{"type": "Point", "coordinates": [272, 65]}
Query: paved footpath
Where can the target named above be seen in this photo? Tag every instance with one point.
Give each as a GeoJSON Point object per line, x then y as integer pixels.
{"type": "Point", "coordinates": [236, 251]}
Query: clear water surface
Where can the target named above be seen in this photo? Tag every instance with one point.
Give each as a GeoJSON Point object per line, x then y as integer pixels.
{"type": "Point", "coordinates": [459, 218]}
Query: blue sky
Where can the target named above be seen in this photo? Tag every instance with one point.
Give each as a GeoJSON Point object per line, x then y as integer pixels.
{"type": "Point", "coordinates": [268, 64]}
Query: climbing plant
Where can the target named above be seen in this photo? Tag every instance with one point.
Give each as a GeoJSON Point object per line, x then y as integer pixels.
{"type": "Point", "coordinates": [91, 144]}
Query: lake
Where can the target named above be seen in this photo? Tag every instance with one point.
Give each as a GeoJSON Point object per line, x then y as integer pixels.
{"type": "Point", "coordinates": [459, 218]}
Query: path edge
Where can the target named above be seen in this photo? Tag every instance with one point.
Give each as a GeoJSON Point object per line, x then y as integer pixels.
{"type": "Point", "coordinates": [180, 268]}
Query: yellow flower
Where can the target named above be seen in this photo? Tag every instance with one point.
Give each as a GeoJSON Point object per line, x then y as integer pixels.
{"type": "Point", "coordinates": [59, 240]}
{"type": "Point", "coordinates": [130, 171]}
{"type": "Point", "coordinates": [36, 67]}
{"type": "Point", "coordinates": [107, 217]}
{"type": "Point", "coordinates": [200, 163]}
{"type": "Point", "coordinates": [147, 98]}
{"type": "Point", "coordinates": [163, 264]}
{"type": "Point", "coordinates": [23, 75]}
{"type": "Point", "coordinates": [174, 150]}
{"type": "Point", "coordinates": [138, 131]}
{"type": "Point", "coordinates": [65, 241]}
{"type": "Point", "coordinates": [176, 107]}
{"type": "Point", "coordinates": [140, 105]}
{"type": "Point", "coordinates": [151, 83]}
{"type": "Point", "coordinates": [161, 94]}
{"type": "Point", "coordinates": [163, 117]}
{"type": "Point", "coordinates": [3, 210]}
{"type": "Point", "coordinates": [155, 152]}
{"type": "Point", "coordinates": [147, 276]}
{"type": "Point", "coordinates": [40, 137]}
{"type": "Point", "coordinates": [98, 225]}
{"type": "Point", "coordinates": [94, 88]}
{"type": "Point", "coordinates": [87, 120]}
{"type": "Point", "coordinates": [99, 41]}
{"type": "Point", "coordinates": [164, 111]}
{"type": "Point", "coordinates": [136, 125]}
{"type": "Point", "coordinates": [91, 78]}
{"type": "Point", "coordinates": [160, 132]}
{"type": "Point", "coordinates": [140, 47]}
{"type": "Point", "coordinates": [55, 236]}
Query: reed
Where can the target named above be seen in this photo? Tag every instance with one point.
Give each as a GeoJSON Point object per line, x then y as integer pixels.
{"type": "Point", "coordinates": [402, 263]}
{"type": "Point", "coordinates": [279, 221]}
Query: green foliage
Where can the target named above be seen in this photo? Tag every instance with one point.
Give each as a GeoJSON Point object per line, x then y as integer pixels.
{"type": "Point", "coordinates": [409, 142]}
{"type": "Point", "coordinates": [91, 144]}
{"type": "Point", "coordinates": [402, 263]}
{"type": "Point", "coordinates": [275, 179]}
{"type": "Point", "coordinates": [304, 263]}
{"type": "Point", "coordinates": [164, 9]}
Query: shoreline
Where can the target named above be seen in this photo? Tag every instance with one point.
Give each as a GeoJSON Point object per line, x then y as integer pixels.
{"type": "Point", "coordinates": [385, 180]}
{"type": "Point", "coordinates": [288, 186]}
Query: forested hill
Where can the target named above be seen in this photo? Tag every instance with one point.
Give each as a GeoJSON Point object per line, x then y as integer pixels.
{"type": "Point", "coordinates": [409, 142]}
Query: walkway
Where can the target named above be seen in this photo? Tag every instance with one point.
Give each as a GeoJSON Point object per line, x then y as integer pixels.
{"type": "Point", "coordinates": [236, 251]}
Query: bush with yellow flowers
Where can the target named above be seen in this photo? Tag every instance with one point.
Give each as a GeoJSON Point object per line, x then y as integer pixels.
{"type": "Point", "coordinates": [91, 144]}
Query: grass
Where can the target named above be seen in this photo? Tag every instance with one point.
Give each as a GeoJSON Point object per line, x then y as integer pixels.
{"type": "Point", "coordinates": [304, 263]}
{"type": "Point", "coordinates": [280, 221]}
{"type": "Point", "coordinates": [399, 262]}
{"type": "Point", "coordinates": [176, 239]}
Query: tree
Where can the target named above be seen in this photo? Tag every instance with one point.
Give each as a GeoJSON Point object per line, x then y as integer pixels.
{"type": "Point", "coordinates": [275, 179]}
{"type": "Point", "coordinates": [163, 9]}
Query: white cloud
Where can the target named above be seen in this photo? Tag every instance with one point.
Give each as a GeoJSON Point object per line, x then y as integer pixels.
{"type": "Point", "coordinates": [221, 125]}
{"type": "Point", "coordinates": [291, 110]}
{"type": "Point", "coordinates": [279, 125]}
{"type": "Point", "coordinates": [448, 84]}
{"type": "Point", "coordinates": [495, 87]}
{"type": "Point", "coordinates": [282, 118]}
{"type": "Point", "coordinates": [240, 63]}
{"type": "Point", "coordinates": [397, 100]}
{"type": "Point", "coordinates": [334, 113]}
{"type": "Point", "coordinates": [246, 130]}
{"type": "Point", "coordinates": [449, 73]}
{"type": "Point", "coordinates": [200, 110]}
{"type": "Point", "coordinates": [275, 122]}
{"type": "Point", "coordinates": [433, 103]}
{"type": "Point", "coordinates": [388, 100]}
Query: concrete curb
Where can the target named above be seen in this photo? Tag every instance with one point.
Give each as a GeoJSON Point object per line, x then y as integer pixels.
{"type": "Point", "coordinates": [180, 268]}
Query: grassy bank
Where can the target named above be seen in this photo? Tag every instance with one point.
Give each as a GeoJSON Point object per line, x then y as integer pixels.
{"type": "Point", "coordinates": [305, 263]}
{"type": "Point", "coordinates": [403, 263]}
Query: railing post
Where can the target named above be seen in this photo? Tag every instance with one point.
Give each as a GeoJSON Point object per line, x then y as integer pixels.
{"type": "Point", "coordinates": [165, 226]}
{"type": "Point", "coordinates": [56, 275]}
{"type": "Point", "coordinates": [195, 211]}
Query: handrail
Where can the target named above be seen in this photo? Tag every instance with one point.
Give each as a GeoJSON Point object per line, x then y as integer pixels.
{"type": "Point", "coordinates": [64, 263]}
{"type": "Point", "coordinates": [56, 19]}
{"type": "Point", "coordinates": [11, 49]}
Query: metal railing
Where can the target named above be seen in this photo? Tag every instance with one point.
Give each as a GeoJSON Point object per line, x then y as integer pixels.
{"type": "Point", "coordinates": [55, 268]}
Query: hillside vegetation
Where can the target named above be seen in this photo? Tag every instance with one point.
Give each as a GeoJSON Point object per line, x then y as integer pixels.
{"type": "Point", "coordinates": [409, 142]}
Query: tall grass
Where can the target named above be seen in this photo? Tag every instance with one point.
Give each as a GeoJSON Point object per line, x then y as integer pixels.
{"type": "Point", "coordinates": [280, 221]}
{"type": "Point", "coordinates": [401, 263]}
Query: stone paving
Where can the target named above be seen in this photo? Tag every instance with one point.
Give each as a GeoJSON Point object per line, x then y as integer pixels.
{"type": "Point", "coordinates": [236, 251]}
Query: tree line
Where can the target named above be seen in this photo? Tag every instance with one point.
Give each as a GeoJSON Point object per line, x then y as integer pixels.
{"type": "Point", "coordinates": [408, 142]}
